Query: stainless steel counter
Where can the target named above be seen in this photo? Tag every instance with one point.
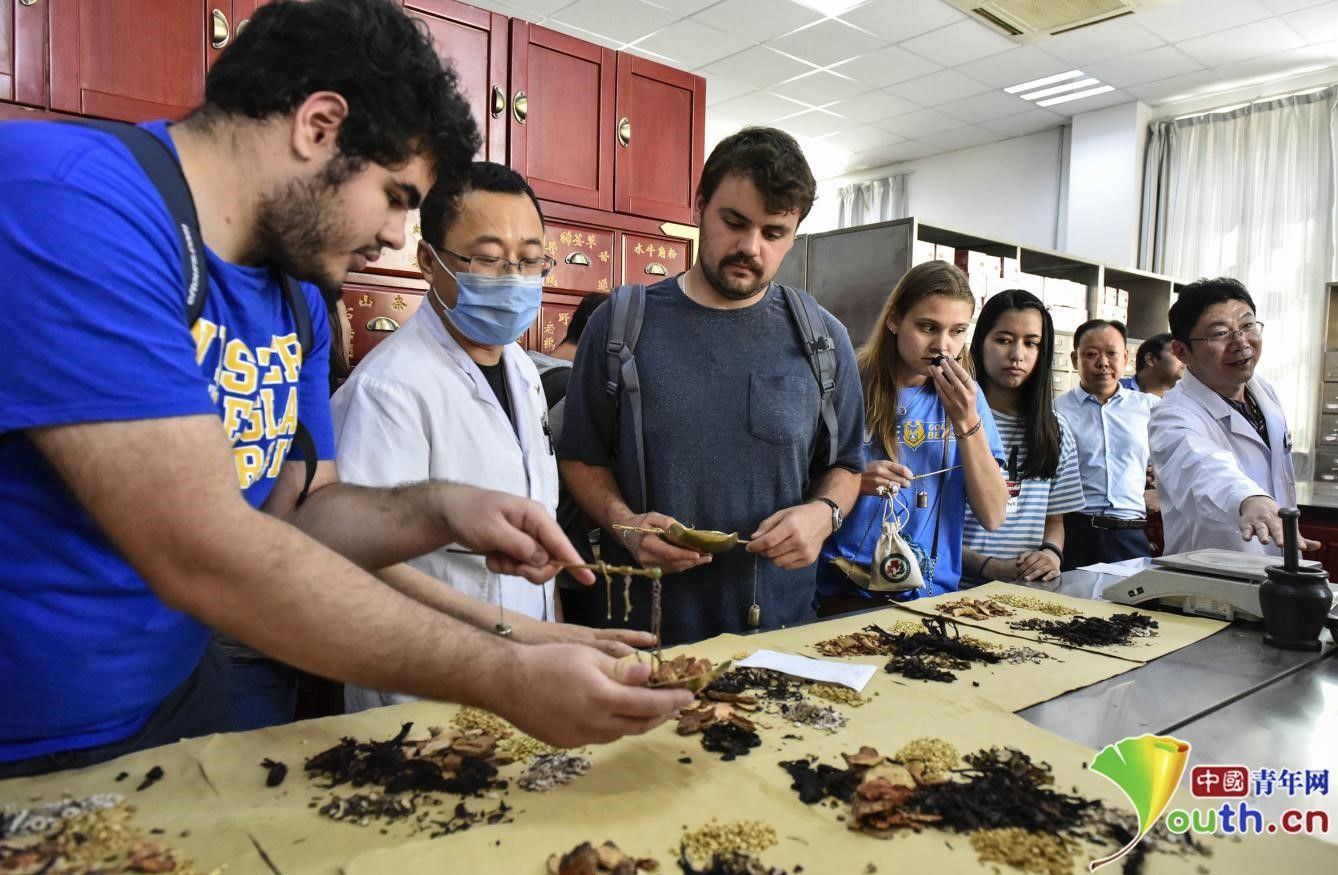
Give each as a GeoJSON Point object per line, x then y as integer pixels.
{"type": "Point", "coordinates": [1317, 494]}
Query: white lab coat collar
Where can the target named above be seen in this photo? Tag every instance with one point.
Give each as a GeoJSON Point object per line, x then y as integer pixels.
{"type": "Point", "coordinates": [1223, 412]}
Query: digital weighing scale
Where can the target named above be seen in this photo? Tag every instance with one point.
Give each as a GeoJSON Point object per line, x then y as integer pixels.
{"type": "Point", "coordinates": [1222, 584]}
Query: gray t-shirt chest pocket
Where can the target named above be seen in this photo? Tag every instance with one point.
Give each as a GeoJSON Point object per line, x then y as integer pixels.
{"type": "Point", "coordinates": [780, 409]}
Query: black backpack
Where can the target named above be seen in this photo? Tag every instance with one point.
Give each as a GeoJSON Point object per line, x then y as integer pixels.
{"type": "Point", "coordinates": [164, 171]}
{"type": "Point", "coordinates": [629, 310]}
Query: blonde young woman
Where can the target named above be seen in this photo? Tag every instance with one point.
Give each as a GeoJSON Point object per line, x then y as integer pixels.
{"type": "Point", "coordinates": [930, 445]}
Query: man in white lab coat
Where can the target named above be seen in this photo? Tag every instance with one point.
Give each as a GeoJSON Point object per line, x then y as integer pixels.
{"type": "Point", "coordinates": [1220, 442]}
{"type": "Point", "coordinates": [452, 396]}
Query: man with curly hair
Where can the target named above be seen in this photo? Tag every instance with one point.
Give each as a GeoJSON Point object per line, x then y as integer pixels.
{"type": "Point", "coordinates": [148, 486]}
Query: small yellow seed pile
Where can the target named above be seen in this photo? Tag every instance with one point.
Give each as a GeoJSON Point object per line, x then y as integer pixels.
{"type": "Point", "coordinates": [510, 741]}
{"type": "Point", "coordinates": [1031, 603]}
{"type": "Point", "coordinates": [752, 836]}
{"type": "Point", "coordinates": [838, 694]}
{"type": "Point", "coordinates": [1035, 852]}
{"type": "Point", "coordinates": [934, 754]}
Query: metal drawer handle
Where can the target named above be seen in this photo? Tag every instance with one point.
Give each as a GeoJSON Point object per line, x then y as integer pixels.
{"type": "Point", "coordinates": [580, 259]}
{"type": "Point", "coordinates": [656, 269]}
{"type": "Point", "coordinates": [624, 132]}
{"type": "Point", "coordinates": [382, 323]}
{"type": "Point", "coordinates": [520, 107]}
{"type": "Point", "coordinates": [219, 33]}
{"type": "Point", "coordinates": [498, 107]}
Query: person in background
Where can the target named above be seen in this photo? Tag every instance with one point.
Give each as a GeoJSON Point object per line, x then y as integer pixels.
{"type": "Point", "coordinates": [555, 367]}
{"type": "Point", "coordinates": [1110, 426]}
{"type": "Point", "coordinates": [733, 429]}
{"type": "Point", "coordinates": [147, 489]}
{"type": "Point", "coordinates": [1220, 441]}
{"type": "Point", "coordinates": [1158, 368]}
{"type": "Point", "coordinates": [930, 441]}
{"type": "Point", "coordinates": [341, 344]}
{"type": "Point", "coordinates": [451, 396]}
{"type": "Point", "coordinates": [1012, 350]}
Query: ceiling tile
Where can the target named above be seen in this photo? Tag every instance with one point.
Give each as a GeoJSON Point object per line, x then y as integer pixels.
{"type": "Point", "coordinates": [760, 19]}
{"type": "Point", "coordinates": [759, 107]}
{"type": "Point", "coordinates": [1190, 18]}
{"type": "Point", "coordinates": [814, 124]}
{"type": "Point", "coordinates": [626, 20]}
{"type": "Point", "coordinates": [959, 43]}
{"type": "Point", "coordinates": [1242, 43]}
{"type": "Point", "coordinates": [692, 44]}
{"type": "Point", "coordinates": [940, 87]}
{"type": "Point", "coordinates": [984, 107]}
{"type": "Point", "coordinates": [1281, 7]}
{"type": "Point", "coordinates": [1142, 67]}
{"type": "Point", "coordinates": [1014, 67]}
{"type": "Point", "coordinates": [1087, 104]}
{"type": "Point", "coordinates": [598, 39]}
{"type": "Point", "coordinates": [962, 138]}
{"type": "Point", "coordinates": [906, 150]}
{"type": "Point", "coordinates": [874, 106]}
{"type": "Point", "coordinates": [887, 66]}
{"type": "Point", "coordinates": [1177, 87]}
{"type": "Point", "coordinates": [1101, 42]}
{"type": "Point", "coordinates": [827, 42]}
{"type": "Point", "coordinates": [719, 89]}
{"type": "Point", "coordinates": [862, 139]}
{"type": "Point", "coordinates": [642, 52]}
{"type": "Point", "coordinates": [897, 20]}
{"type": "Point", "coordinates": [758, 66]}
{"type": "Point", "coordinates": [684, 7]}
{"type": "Point", "coordinates": [920, 123]}
{"type": "Point", "coordinates": [819, 88]}
{"type": "Point", "coordinates": [532, 9]}
{"type": "Point", "coordinates": [1029, 122]}
{"type": "Point", "coordinates": [1317, 24]}
{"type": "Point", "coordinates": [1282, 65]}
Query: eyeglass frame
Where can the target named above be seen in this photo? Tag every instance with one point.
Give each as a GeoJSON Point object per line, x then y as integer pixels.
{"type": "Point", "coordinates": [505, 263]}
{"type": "Point", "coordinates": [1230, 334]}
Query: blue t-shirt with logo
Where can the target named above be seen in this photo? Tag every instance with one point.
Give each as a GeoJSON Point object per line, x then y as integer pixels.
{"type": "Point", "coordinates": [921, 430]}
{"type": "Point", "coordinates": [95, 330]}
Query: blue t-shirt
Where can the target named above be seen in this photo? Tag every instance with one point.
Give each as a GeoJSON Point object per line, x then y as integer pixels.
{"type": "Point", "coordinates": [921, 429]}
{"type": "Point", "coordinates": [96, 331]}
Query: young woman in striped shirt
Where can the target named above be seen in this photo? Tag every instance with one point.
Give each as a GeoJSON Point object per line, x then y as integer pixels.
{"type": "Point", "coordinates": [1012, 349]}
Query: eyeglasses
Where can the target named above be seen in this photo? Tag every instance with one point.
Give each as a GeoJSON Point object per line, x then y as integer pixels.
{"type": "Point", "coordinates": [495, 265]}
{"type": "Point", "coordinates": [1248, 331]}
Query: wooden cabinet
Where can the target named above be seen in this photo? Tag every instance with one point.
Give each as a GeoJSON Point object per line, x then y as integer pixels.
{"type": "Point", "coordinates": [562, 122]}
{"type": "Point", "coordinates": [584, 256]}
{"type": "Point", "coordinates": [376, 312]}
{"type": "Point", "coordinates": [132, 60]}
{"type": "Point", "coordinates": [554, 316]}
{"type": "Point", "coordinates": [649, 258]}
{"type": "Point", "coordinates": [475, 42]}
{"type": "Point", "coordinates": [23, 46]}
{"type": "Point", "coordinates": [661, 139]}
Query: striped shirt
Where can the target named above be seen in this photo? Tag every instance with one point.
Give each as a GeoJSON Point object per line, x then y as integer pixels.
{"type": "Point", "coordinates": [1024, 526]}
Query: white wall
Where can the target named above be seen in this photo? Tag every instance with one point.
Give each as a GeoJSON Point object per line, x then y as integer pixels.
{"type": "Point", "coordinates": [1007, 190]}
{"type": "Point", "coordinates": [1105, 184]}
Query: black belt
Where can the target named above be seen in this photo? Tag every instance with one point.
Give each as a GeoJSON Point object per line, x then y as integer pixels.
{"type": "Point", "coordinates": [1112, 523]}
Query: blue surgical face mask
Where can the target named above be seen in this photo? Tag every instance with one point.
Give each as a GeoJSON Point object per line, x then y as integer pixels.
{"type": "Point", "coordinates": [491, 310]}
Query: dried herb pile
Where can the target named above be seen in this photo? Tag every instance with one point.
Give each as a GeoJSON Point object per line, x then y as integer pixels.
{"type": "Point", "coordinates": [687, 673]}
{"type": "Point", "coordinates": [1093, 631]}
{"type": "Point", "coordinates": [95, 834]}
{"type": "Point", "coordinates": [729, 863]}
{"type": "Point", "coordinates": [607, 859]}
{"type": "Point", "coordinates": [974, 609]}
{"type": "Point", "coordinates": [934, 654]}
{"type": "Point", "coordinates": [553, 770]}
{"type": "Point", "coordinates": [727, 837]}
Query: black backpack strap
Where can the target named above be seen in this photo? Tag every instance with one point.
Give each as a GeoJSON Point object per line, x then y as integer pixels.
{"type": "Point", "coordinates": [164, 171]}
{"type": "Point", "coordinates": [821, 352]}
{"type": "Point", "coordinates": [629, 309]}
{"type": "Point", "coordinates": [297, 302]}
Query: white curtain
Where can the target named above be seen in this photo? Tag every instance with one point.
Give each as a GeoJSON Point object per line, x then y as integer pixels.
{"type": "Point", "coordinates": [1252, 194]}
{"type": "Point", "coordinates": [878, 200]}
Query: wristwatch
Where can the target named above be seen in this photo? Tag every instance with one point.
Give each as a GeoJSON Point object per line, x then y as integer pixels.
{"type": "Point", "coordinates": [837, 517]}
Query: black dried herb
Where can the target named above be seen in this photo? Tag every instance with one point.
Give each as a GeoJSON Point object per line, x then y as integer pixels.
{"type": "Point", "coordinates": [1092, 631]}
{"type": "Point", "coordinates": [817, 782]}
{"type": "Point", "coordinates": [462, 819]}
{"type": "Point", "coordinates": [729, 741]}
{"type": "Point", "coordinates": [728, 863]}
{"type": "Point", "coordinates": [277, 772]}
{"type": "Point", "coordinates": [1002, 789]}
{"type": "Point", "coordinates": [769, 684]}
{"type": "Point", "coordinates": [918, 669]}
{"type": "Point", "coordinates": [151, 777]}
{"type": "Point", "coordinates": [122, 776]}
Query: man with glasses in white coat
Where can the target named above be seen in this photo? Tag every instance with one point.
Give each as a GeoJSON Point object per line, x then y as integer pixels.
{"type": "Point", "coordinates": [452, 396]}
{"type": "Point", "coordinates": [1220, 442]}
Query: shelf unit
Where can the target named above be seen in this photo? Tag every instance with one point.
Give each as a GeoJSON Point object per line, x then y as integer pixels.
{"type": "Point", "coordinates": [1326, 434]}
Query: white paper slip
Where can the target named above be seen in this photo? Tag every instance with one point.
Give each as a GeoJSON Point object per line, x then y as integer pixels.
{"type": "Point", "coordinates": [1114, 569]}
{"type": "Point", "coordinates": [846, 674]}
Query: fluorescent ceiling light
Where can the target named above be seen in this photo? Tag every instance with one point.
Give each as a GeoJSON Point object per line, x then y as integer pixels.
{"type": "Point", "coordinates": [1077, 95]}
{"type": "Point", "coordinates": [1060, 89]}
{"type": "Point", "coordinates": [1048, 80]}
{"type": "Point", "coordinates": [831, 8]}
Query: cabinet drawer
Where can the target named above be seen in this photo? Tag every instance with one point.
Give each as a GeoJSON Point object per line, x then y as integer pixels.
{"type": "Point", "coordinates": [647, 259]}
{"type": "Point", "coordinates": [376, 315]}
{"type": "Point", "coordinates": [1063, 344]}
{"type": "Point", "coordinates": [554, 316]}
{"type": "Point", "coordinates": [584, 258]}
{"type": "Point", "coordinates": [1328, 430]}
{"type": "Point", "coordinates": [1059, 362]}
{"type": "Point", "coordinates": [1326, 464]}
{"type": "Point", "coordinates": [1331, 365]}
{"type": "Point", "coordinates": [1330, 399]}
